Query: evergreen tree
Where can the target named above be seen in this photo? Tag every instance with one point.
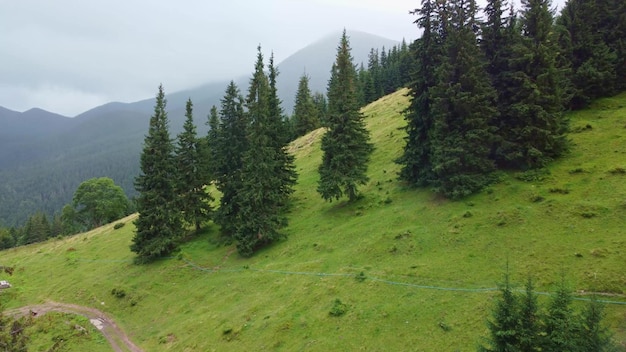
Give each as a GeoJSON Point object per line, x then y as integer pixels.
{"type": "Point", "coordinates": [504, 336]}
{"type": "Point", "coordinates": [305, 112]}
{"type": "Point", "coordinates": [529, 323]}
{"type": "Point", "coordinates": [415, 160]}
{"type": "Point", "coordinates": [227, 150]}
{"type": "Point", "coordinates": [560, 322]}
{"type": "Point", "coordinates": [321, 104]}
{"type": "Point", "coordinates": [346, 144]}
{"type": "Point", "coordinates": [267, 174]}
{"type": "Point", "coordinates": [211, 145]}
{"type": "Point", "coordinates": [158, 226]}
{"type": "Point", "coordinates": [535, 126]}
{"type": "Point", "coordinates": [592, 335]}
{"type": "Point", "coordinates": [193, 200]}
{"type": "Point", "coordinates": [463, 106]}
{"type": "Point", "coordinates": [593, 62]}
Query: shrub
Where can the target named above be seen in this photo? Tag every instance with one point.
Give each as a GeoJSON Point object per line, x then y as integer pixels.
{"type": "Point", "coordinates": [338, 309]}
{"type": "Point", "coordinates": [119, 225]}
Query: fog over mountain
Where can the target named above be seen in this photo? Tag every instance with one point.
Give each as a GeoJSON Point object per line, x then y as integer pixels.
{"type": "Point", "coordinates": [45, 156]}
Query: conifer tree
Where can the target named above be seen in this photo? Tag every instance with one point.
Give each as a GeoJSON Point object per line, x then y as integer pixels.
{"type": "Point", "coordinates": [321, 104]}
{"type": "Point", "coordinates": [267, 173]}
{"type": "Point", "coordinates": [210, 150]}
{"type": "Point", "coordinates": [463, 106]}
{"type": "Point", "coordinates": [560, 323]}
{"type": "Point", "coordinates": [592, 334]}
{"type": "Point", "coordinates": [227, 147]}
{"type": "Point", "coordinates": [593, 62]}
{"type": "Point", "coordinates": [346, 145]}
{"type": "Point", "coordinates": [503, 327]}
{"type": "Point", "coordinates": [193, 200]}
{"type": "Point", "coordinates": [158, 226]}
{"type": "Point", "coordinates": [305, 112]}
{"type": "Point", "coordinates": [416, 157]}
{"type": "Point", "coordinates": [535, 126]}
{"type": "Point", "coordinates": [529, 320]}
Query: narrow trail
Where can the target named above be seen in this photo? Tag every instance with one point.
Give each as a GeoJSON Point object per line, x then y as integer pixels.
{"type": "Point", "coordinates": [119, 341]}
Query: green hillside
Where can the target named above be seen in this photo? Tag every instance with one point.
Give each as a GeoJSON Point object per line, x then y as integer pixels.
{"type": "Point", "coordinates": [428, 265]}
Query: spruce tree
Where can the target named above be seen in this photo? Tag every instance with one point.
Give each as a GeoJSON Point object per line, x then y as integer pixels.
{"type": "Point", "coordinates": [267, 173]}
{"type": "Point", "coordinates": [529, 328]}
{"type": "Point", "coordinates": [416, 157]}
{"type": "Point", "coordinates": [592, 334]}
{"type": "Point", "coordinates": [593, 62]}
{"type": "Point", "coordinates": [463, 106]}
{"type": "Point", "coordinates": [158, 226]}
{"type": "Point", "coordinates": [536, 126]}
{"type": "Point", "coordinates": [503, 327]}
{"type": "Point", "coordinates": [305, 112]}
{"type": "Point", "coordinates": [210, 146]}
{"type": "Point", "coordinates": [560, 322]}
{"type": "Point", "coordinates": [193, 200]}
{"type": "Point", "coordinates": [227, 147]}
{"type": "Point", "coordinates": [346, 145]}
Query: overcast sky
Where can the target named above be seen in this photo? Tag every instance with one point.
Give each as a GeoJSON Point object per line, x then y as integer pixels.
{"type": "Point", "coordinates": [68, 56]}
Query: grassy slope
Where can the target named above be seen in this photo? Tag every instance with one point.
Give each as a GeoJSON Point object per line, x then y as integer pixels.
{"type": "Point", "coordinates": [572, 222]}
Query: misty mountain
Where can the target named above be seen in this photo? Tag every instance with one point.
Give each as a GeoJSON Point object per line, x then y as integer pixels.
{"type": "Point", "coordinates": [45, 156]}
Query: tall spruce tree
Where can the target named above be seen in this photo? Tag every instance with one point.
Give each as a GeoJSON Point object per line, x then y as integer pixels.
{"type": "Point", "coordinates": [267, 173]}
{"type": "Point", "coordinates": [193, 200]}
{"type": "Point", "coordinates": [535, 129]}
{"type": "Point", "coordinates": [158, 226]}
{"type": "Point", "coordinates": [560, 322]}
{"type": "Point", "coordinates": [463, 106]}
{"type": "Point", "coordinates": [427, 50]}
{"type": "Point", "coordinates": [305, 112]}
{"type": "Point", "coordinates": [593, 61]}
{"type": "Point", "coordinates": [227, 147]}
{"type": "Point", "coordinates": [346, 145]}
{"type": "Point", "coordinates": [503, 327]}
{"type": "Point", "coordinates": [210, 150]}
{"type": "Point", "coordinates": [529, 328]}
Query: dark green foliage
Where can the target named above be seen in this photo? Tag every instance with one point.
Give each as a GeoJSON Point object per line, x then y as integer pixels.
{"type": "Point", "coordinates": [305, 114]}
{"type": "Point", "coordinates": [533, 127]}
{"type": "Point", "coordinates": [210, 146]}
{"type": "Point", "coordinates": [592, 42]}
{"type": "Point", "coordinates": [36, 229]}
{"type": "Point", "coordinates": [99, 201]}
{"type": "Point", "coordinates": [338, 309]}
{"type": "Point", "coordinates": [267, 173]}
{"type": "Point", "coordinates": [592, 334]}
{"type": "Point", "coordinates": [415, 160]}
{"type": "Point", "coordinates": [518, 325]}
{"type": "Point", "coordinates": [158, 226]}
{"type": "Point", "coordinates": [463, 105]}
{"type": "Point", "coordinates": [118, 225]}
{"type": "Point", "coordinates": [346, 144]}
{"type": "Point", "coordinates": [503, 327]}
{"type": "Point", "coordinates": [192, 199]}
{"type": "Point", "coordinates": [227, 148]}
{"type": "Point", "coordinates": [560, 323]}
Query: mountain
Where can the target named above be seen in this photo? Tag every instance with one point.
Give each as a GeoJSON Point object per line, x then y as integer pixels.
{"type": "Point", "coordinates": [401, 269]}
{"type": "Point", "coordinates": [317, 59]}
{"type": "Point", "coordinates": [45, 156]}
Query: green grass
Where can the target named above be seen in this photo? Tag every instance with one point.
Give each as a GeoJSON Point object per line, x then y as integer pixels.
{"type": "Point", "coordinates": [405, 242]}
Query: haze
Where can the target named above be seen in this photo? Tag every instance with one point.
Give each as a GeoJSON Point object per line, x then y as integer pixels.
{"type": "Point", "coordinates": [68, 56]}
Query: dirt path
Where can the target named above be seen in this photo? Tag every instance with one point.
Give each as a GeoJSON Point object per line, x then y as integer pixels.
{"type": "Point", "coordinates": [117, 338]}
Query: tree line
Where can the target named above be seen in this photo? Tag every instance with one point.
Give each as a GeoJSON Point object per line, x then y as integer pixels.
{"type": "Point", "coordinates": [489, 95]}
{"type": "Point", "coordinates": [244, 155]}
